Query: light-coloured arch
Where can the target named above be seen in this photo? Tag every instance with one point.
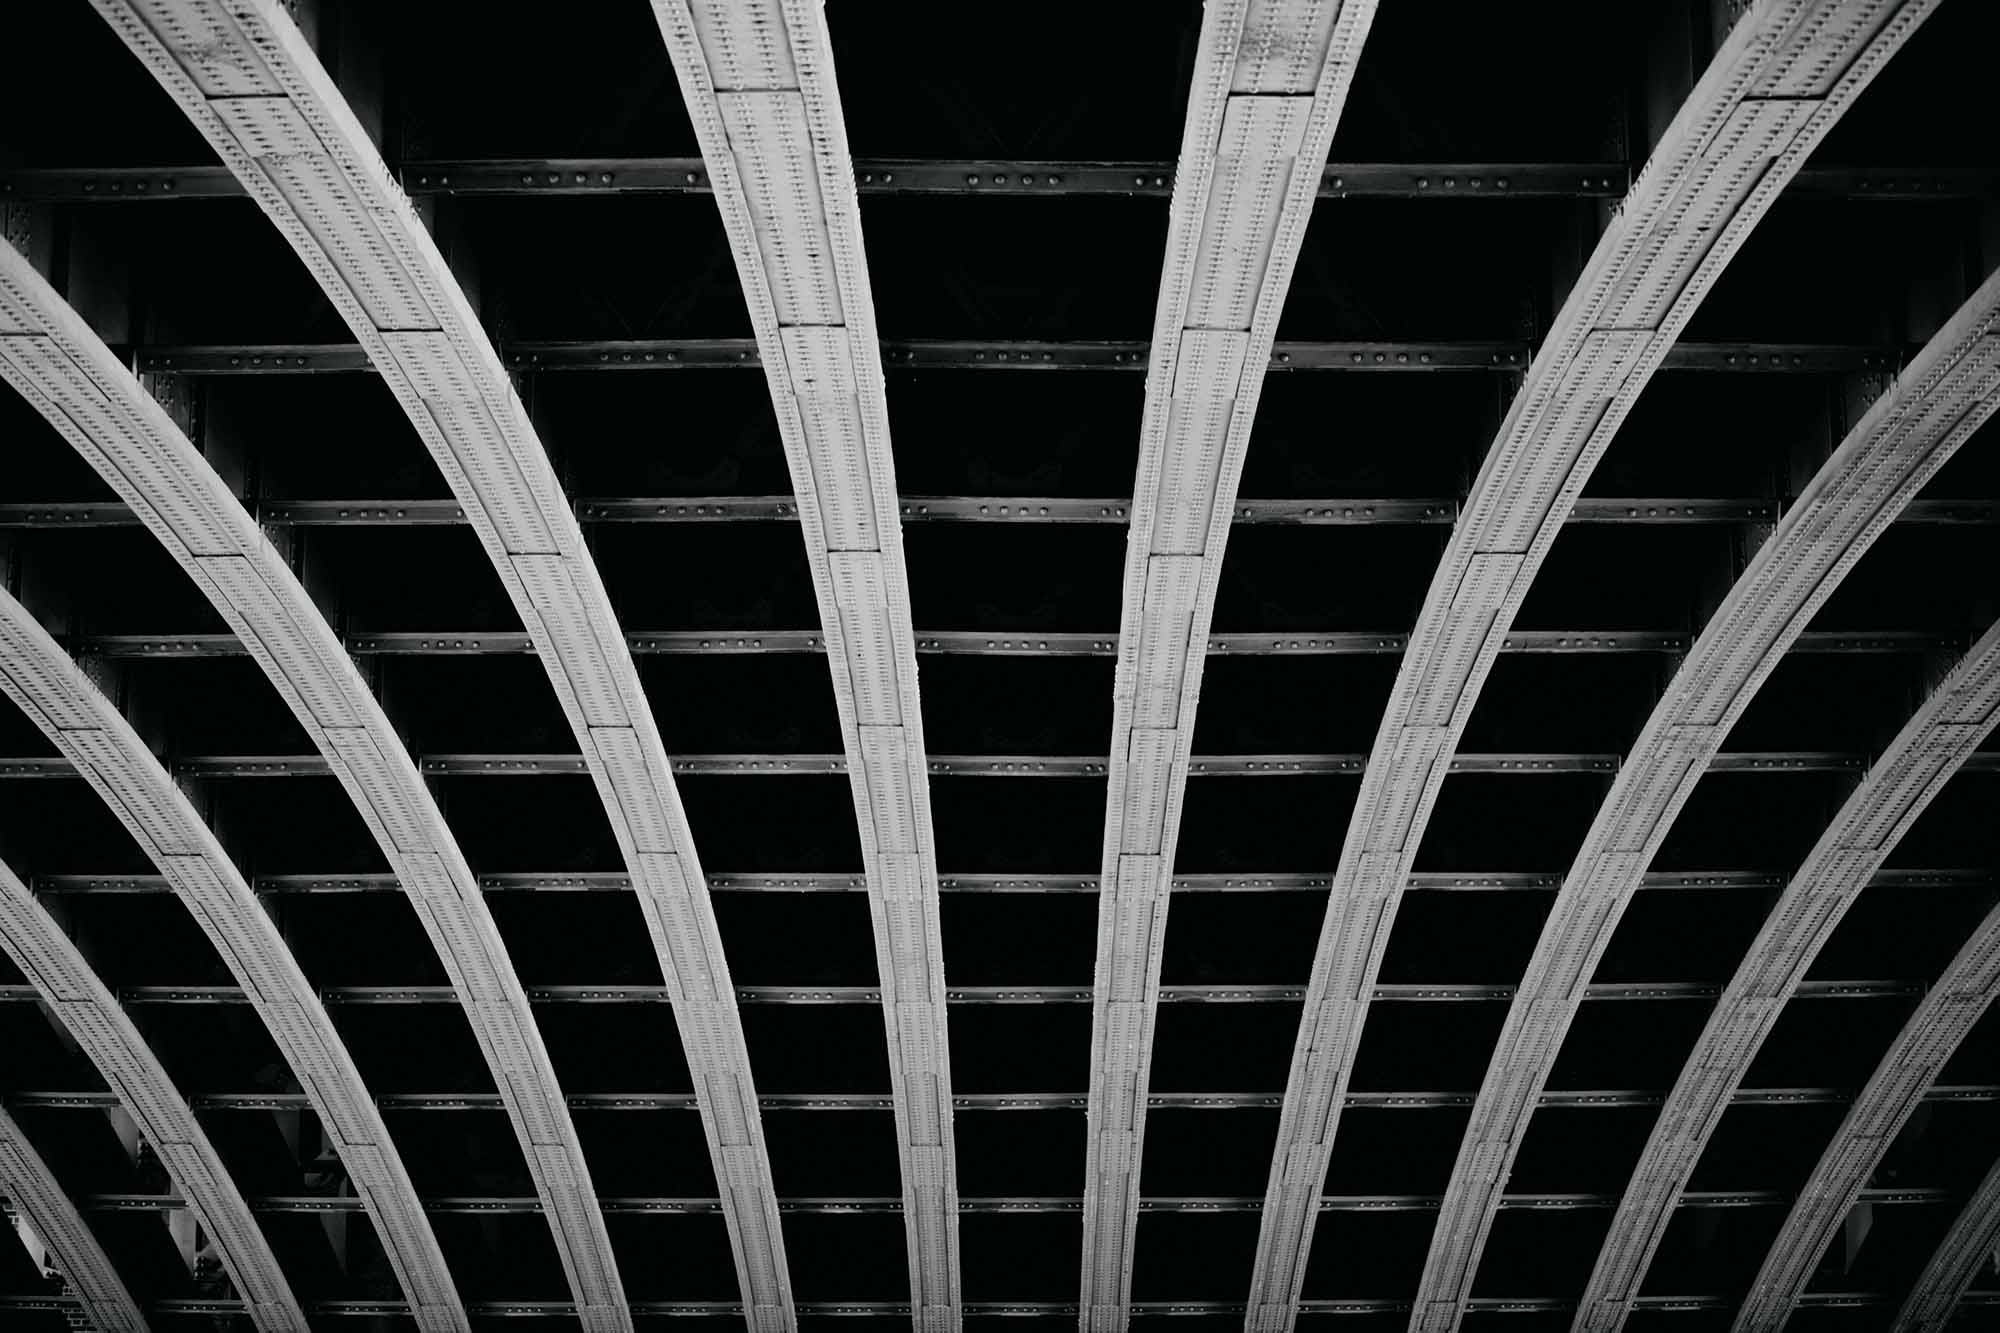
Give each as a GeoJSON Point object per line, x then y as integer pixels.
{"type": "Point", "coordinates": [758, 79]}
{"type": "Point", "coordinates": [54, 693]}
{"type": "Point", "coordinates": [1270, 81]}
{"type": "Point", "coordinates": [249, 81]}
{"type": "Point", "coordinates": [87, 1270]}
{"type": "Point", "coordinates": [89, 1012]}
{"type": "Point", "coordinates": [1781, 78]}
{"type": "Point", "coordinates": [1791, 577]}
{"type": "Point", "coordinates": [1945, 1279]}
{"type": "Point", "coordinates": [1914, 1060]}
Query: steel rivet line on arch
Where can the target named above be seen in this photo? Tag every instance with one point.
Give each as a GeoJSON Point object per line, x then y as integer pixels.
{"type": "Point", "coordinates": [1914, 768]}
{"type": "Point", "coordinates": [759, 83]}
{"type": "Point", "coordinates": [1951, 388]}
{"type": "Point", "coordinates": [251, 85]}
{"type": "Point", "coordinates": [1942, 1287]}
{"type": "Point", "coordinates": [99, 745]}
{"type": "Point", "coordinates": [1270, 81]}
{"type": "Point", "coordinates": [36, 1197]}
{"type": "Point", "coordinates": [79, 1001]}
{"type": "Point", "coordinates": [1947, 393]}
{"type": "Point", "coordinates": [1781, 77]}
{"type": "Point", "coordinates": [1940, 1023]}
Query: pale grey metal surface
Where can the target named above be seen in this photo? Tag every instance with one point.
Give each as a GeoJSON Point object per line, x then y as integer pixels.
{"type": "Point", "coordinates": [253, 87]}
{"type": "Point", "coordinates": [33, 1192]}
{"type": "Point", "coordinates": [1956, 1001]}
{"type": "Point", "coordinates": [760, 88]}
{"type": "Point", "coordinates": [90, 1014]}
{"type": "Point", "coordinates": [1781, 78]}
{"type": "Point", "coordinates": [1270, 81]}
{"type": "Point", "coordinates": [56, 696]}
{"type": "Point", "coordinates": [1928, 751]}
{"type": "Point", "coordinates": [1956, 1261]}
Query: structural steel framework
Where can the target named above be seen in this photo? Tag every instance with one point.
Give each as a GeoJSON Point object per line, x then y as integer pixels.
{"type": "Point", "coordinates": [86, 1269]}
{"type": "Point", "coordinates": [760, 88]}
{"type": "Point", "coordinates": [1778, 82]}
{"type": "Point", "coordinates": [1934, 1032]}
{"type": "Point", "coordinates": [251, 84]}
{"type": "Point", "coordinates": [1450, 1009]}
{"type": "Point", "coordinates": [1270, 78]}
{"type": "Point", "coordinates": [1945, 395]}
{"type": "Point", "coordinates": [90, 1014]}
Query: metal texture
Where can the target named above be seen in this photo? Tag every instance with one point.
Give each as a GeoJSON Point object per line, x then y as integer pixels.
{"type": "Point", "coordinates": [98, 744]}
{"type": "Point", "coordinates": [32, 1191]}
{"type": "Point", "coordinates": [836, 1102]}
{"type": "Point", "coordinates": [759, 83]}
{"type": "Point", "coordinates": [1934, 1031]}
{"type": "Point", "coordinates": [1459, 992]}
{"type": "Point", "coordinates": [1929, 750]}
{"type": "Point", "coordinates": [1002, 1310]}
{"type": "Point", "coordinates": [1362, 356]}
{"type": "Point", "coordinates": [1950, 389]}
{"type": "Point", "coordinates": [1964, 1249]}
{"type": "Point", "coordinates": [1781, 78]}
{"type": "Point", "coordinates": [78, 385]}
{"type": "Point", "coordinates": [1343, 512]}
{"type": "Point", "coordinates": [975, 643]}
{"type": "Point", "coordinates": [1270, 81]}
{"type": "Point", "coordinates": [77, 1000]}
{"type": "Point", "coordinates": [250, 83]}
{"type": "Point", "coordinates": [1011, 177]}
{"type": "Point", "coordinates": [210, 767]}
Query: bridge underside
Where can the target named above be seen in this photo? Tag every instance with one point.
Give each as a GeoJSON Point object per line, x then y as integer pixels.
{"type": "Point", "coordinates": [1015, 168]}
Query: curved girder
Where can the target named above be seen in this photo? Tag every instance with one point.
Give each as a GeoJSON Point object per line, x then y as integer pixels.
{"type": "Point", "coordinates": [1934, 1031]}
{"type": "Point", "coordinates": [87, 1009]}
{"type": "Point", "coordinates": [55, 694]}
{"type": "Point", "coordinates": [1270, 81]}
{"type": "Point", "coordinates": [760, 88]}
{"type": "Point", "coordinates": [1937, 741]}
{"type": "Point", "coordinates": [1783, 76]}
{"type": "Point", "coordinates": [33, 1191]}
{"type": "Point", "coordinates": [250, 83]}
{"type": "Point", "coordinates": [1955, 1263]}
{"type": "Point", "coordinates": [1945, 393]}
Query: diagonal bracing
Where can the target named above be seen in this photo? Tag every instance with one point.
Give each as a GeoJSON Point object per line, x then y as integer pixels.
{"type": "Point", "coordinates": [760, 88]}
{"type": "Point", "coordinates": [1783, 75]}
{"type": "Point", "coordinates": [1951, 388]}
{"type": "Point", "coordinates": [33, 1192]}
{"type": "Point", "coordinates": [251, 84]}
{"type": "Point", "coordinates": [1270, 80]}
{"type": "Point", "coordinates": [53, 692]}
{"type": "Point", "coordinates": [1961, 994]}
{"type": "Point", "coordinates": [89, 1012]}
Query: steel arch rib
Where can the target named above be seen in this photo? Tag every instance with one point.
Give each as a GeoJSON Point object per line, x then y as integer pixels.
{"type": "Point", "coordinates": [86, 1269]}
{"type": "Point", "coordinates": [1941, 1022]}
{"type": "Point", "coordinates": [1951, 387]}
{"type": "Point", "coordinates": [250, 83]}
{"type": "Point", "coordinates": [55, 694]}
{"type": "Point", "coordinates": [1270, 81]}
{"type": "Point", "coordinates": [759, 82]}
{"type": "Point", "coordinates": [1785, 73]}
{"type": "Point", "coordinates": [88, 1010]}
{"type": "Point", "coordinates": [1954, 1264]}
